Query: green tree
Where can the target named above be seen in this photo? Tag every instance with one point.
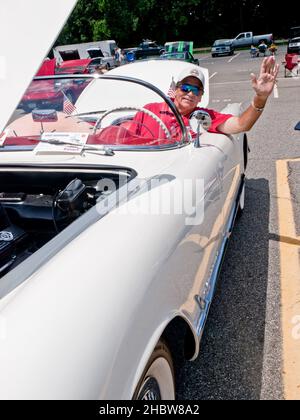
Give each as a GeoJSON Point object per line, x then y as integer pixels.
{"type": "Point", "coordinates": [80, 25]}
{"type": "Point", "coordinates": [129, 21]}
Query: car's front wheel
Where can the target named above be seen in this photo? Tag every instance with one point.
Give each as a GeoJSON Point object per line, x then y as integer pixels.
{"type": "Point", "coordinates": [157, 381]}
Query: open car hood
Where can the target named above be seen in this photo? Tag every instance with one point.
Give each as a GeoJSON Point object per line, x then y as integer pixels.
{"type": "Point", "coordinates": [95, 53]}
{"type": "Point", "coordinates": [36, 25]}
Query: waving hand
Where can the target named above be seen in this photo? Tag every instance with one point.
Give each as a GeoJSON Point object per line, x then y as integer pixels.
{"type": "Point", "coordinates": [265, 82]}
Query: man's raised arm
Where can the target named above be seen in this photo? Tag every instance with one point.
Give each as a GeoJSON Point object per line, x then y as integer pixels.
{"type": "Point", "coordinates": [263, 87]}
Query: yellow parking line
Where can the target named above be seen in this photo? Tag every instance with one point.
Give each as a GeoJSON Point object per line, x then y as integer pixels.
{"type": "Point", "coordinates": [290, 284]}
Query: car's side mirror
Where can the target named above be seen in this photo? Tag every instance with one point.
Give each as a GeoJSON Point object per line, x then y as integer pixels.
{"type": "Point", "coordinates": [200, 120]}
{"type": "Point", "coordinates": [298, 126]}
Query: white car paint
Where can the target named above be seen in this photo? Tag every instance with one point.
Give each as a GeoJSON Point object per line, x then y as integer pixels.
{"type": "Point", "coordinates": [83, 314]}
{"type": "Point", "coordinates": [97, 308]}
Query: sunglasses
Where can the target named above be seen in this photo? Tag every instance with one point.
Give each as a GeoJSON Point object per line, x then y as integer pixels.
{"type": "Point", "coordinates": [190, 88]}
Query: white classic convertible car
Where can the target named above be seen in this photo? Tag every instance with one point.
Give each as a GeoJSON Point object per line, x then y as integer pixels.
{"type": "Point", "coordinates": [109, 239]}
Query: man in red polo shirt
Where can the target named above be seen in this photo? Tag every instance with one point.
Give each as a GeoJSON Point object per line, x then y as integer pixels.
{"type": "Point", "coordinates": [188, 92]}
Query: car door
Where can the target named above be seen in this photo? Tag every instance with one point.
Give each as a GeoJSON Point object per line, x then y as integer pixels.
{"type": "Point", "coordinates": [249, 39]}
{"type": "Point", "coordinates": [196, 256]}
{"type": "Point", "coordinates": [230, 171]}
{"type": "Point", "coordinates": [240, 40]}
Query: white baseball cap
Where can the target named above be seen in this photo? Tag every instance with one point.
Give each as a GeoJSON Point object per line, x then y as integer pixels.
{"type": "Point", "coordinates": [191, 72]}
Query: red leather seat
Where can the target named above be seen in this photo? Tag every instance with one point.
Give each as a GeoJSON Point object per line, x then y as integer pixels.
{"type": "Point", "coordinates": [113, 135]}
{"type": "Point", "coordinates": [119, 135]}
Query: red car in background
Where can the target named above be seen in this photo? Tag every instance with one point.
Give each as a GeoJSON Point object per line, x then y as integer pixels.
{"type": "Point", "coordinates": [43, 94]}
{"type": "Point", "coordinates": [74, 67]}
{"type": "Point", "coordinates": [47, 68]}
{"type": "Point", "coordinates": [83, 66]}
{"type": "Point", "coordinates": [51, 94]}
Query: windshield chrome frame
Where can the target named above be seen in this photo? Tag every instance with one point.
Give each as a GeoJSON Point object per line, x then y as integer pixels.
{"type": "Point", "coordinates": [185, 137]}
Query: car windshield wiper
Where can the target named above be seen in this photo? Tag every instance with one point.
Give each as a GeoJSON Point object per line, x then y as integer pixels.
{"type": "Point", "coordinates": [85, 148]}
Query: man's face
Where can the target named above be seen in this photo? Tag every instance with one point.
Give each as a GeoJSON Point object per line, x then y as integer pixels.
{"type": "Point", "coordinates": [186, 101]}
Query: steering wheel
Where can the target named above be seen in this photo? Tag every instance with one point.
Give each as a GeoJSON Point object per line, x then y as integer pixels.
{"type": "Point", "coordinates": [146, 111]}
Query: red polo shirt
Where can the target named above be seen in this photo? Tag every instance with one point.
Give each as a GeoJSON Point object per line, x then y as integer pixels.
{"type": "Point", "coordinates": [146, 126]}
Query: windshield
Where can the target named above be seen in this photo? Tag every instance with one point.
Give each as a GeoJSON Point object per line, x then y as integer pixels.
{"type": "Point", "coordinates": [110, 111]}
{"type": "Point", "coordinates": [295, 32]}
{"type": "Point", "coordinates": [222, 42]}
{"type": "Point", "coordinates": [180, 46]}
{"type": "Point", "coordinates": [173, 56]}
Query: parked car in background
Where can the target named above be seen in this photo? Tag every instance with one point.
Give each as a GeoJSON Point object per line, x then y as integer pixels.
{"type": "Point", "coordinates": [85, 66]}
{"type": "Point", "coordinates": [51, 94]}
{"type": "Point", "coordinates": [103, 50]}
{"type": "Point", "coordinates": [222, 47]}
{"type": "Point", "coordinates": [179, 46]}
{"type": "Point", "coordinates": [73, 67]}
{"type": "Point", "coordinates": [294, 41]}
{"type": "Point", "coordinates": [183, 56]}
{"type": "Point", "coordinates": [146, 49]}
{"type": "Point", "coordinates": [96, 62]}
{"type": "Point", "coordinates": [102, 58]}
{"type": "Point", "coordinates": [246, 39]}
{"type": "Point", "coordinates": [47, 68]}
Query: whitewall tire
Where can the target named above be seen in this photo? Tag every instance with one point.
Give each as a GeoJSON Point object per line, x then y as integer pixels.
{"type": "Point", "coordinates": [157, 382]}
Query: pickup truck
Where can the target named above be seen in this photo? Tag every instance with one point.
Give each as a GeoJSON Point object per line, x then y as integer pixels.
{"type": "Point", "coordinates": [246, 39]}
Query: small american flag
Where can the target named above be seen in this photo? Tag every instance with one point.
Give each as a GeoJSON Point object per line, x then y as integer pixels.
{"type": "Point", "coordinates": [68, 107]}
{"type": "Point", "coordinates": [172, 89]}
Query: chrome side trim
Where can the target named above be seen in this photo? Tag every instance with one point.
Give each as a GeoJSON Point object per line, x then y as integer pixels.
{"type": "Point", "coordinates": [204, 301]}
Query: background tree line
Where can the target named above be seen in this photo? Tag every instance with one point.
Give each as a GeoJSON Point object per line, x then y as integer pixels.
{"type": "Point", "coordinates": [130, 21]}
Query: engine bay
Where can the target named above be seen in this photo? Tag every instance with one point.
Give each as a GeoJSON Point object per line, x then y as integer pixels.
{"type": "Point", "coordinates": [37, 205]}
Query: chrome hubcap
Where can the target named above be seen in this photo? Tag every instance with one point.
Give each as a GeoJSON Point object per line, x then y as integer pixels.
{"type": "Point", "coordinates": [150, 391]}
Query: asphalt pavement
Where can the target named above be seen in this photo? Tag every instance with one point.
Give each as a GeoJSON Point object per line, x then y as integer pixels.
{"type": "Point", "coordinates": [241, 353]}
